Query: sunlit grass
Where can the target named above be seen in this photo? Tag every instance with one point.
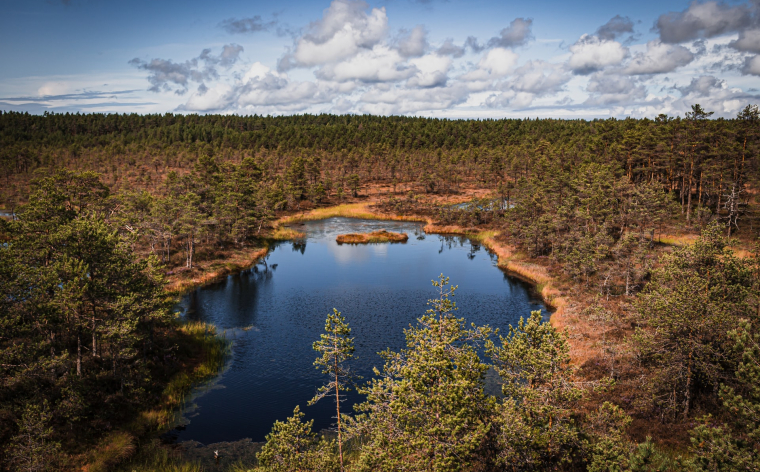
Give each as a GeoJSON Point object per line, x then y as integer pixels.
{"type": "Point", "coordinates": [347, 210]}
{"type": "Point", "coordinates": [213, 351]}
{"type": "Point", "coordinates": [285, 234]}
{"type": "Point", "coordinates": [381, 236]}
{"type": "Point", "coordinates": [154, 458]}
{"type": "Point", "coordinates": [234, 262]}
{"type": "Point", "coordinates": [677, 239]}
{"type": "Point", "coordinates": [113, 450]}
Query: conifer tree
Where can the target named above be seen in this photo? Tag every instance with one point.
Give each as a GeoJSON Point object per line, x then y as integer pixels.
{"type": "Point", "coordinates": [336, 348]}
{"type": "Point", "coordinates": [535, 426]}
{"type": "Point", "coordinates": [736, 446]}
{"type": "Point", "coordinates": [698, 295]}
{"type": "Point", "coordinates": [426, 410]}
{"type": "Point", "coordinates": [292, 446]}
{"type": "Point", "coordinates": [32, 449]}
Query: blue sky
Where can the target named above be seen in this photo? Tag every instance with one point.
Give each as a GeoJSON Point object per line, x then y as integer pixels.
{"type": "Point", "coordinates": [455, 59]}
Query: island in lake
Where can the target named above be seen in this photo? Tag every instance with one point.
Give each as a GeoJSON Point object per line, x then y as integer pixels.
{"type": "Point", "coordinates": [381, 236]}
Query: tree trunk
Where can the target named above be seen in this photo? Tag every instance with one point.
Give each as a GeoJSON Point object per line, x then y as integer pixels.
{"type": "Point", "coordinates": [94, 339]}
{"type": "Point", "coordinates": [688, 390]}
{"type": "Point", "coordinates": [688, 203]}
{"type": "Point", "coordinates": [79, 355]}
{"type": "Point", "coordinates": [337, 407]}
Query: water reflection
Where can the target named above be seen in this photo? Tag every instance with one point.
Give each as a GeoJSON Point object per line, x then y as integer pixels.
{"type": "Point", "coordinates": [381, 289]}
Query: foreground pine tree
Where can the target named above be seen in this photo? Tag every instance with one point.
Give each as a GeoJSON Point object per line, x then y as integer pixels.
{"type": "Point", "coordinates": [426, 409]}
{"type": "Point", "coordinates": [736, 446]}
{"type": "Point", "coordinates": [292, 446]}
{"type": "Point", "coordinates": [32, 449]}
{"type": "Point", "coordinates": [336, 347]}
{"type": "Point", "coordinates": [534, 422]}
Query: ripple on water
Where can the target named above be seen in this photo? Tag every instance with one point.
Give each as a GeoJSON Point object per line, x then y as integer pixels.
{"type": "Point", "coordinates": [380, 289]}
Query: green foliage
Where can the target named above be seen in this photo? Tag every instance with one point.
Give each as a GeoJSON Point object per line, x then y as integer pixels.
{"type": "Point", "coordinates": [590, 218]}
{"type": "Point", "coordinates": [609, 449]}
{"type": "Point", "coordinates": [32, 448]}
{"type": "Point", "coordinates": [293, 446]}
{"type": "Point", "coordinates": [735, 446]}
{"type": "Point", "coordinates": [699, 294]}
{"type": "Point", "coordinates": [336, 348]}
{"type": "Point", "coordinates": [535, 424]}
{"type": "Point", "coordinates": [79, 312]}
{"type": "Point", "coordinates": [426, 410]}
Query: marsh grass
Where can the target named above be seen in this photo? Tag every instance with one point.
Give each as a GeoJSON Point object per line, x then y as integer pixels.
{"type": "Point", "coordinates": [347, 210]}
{"type": "Point", "coordinates": [677, 239]}
{"type": "Point", "coordinates": [374, 237]}
{"type": "Point", "coordinates": [152, 457]}
{"type": "Point", "coordinates": [209, 351]}
{"type": "Point", "coordinates": [214, 351]}
{"type": "Point", "coordinates": [234, 262]}
{"type": "Point", "coordinates": [113, 450]}
{"type": "Point", "coordinates": [284, 234]}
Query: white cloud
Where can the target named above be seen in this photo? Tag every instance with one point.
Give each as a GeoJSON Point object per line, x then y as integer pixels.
{"type": "Point", "coordinates": [413, 43]}
{"type": "Point", "coordinates": [380, 64]}
{"type": "Point", "coordinates": [432, 71]}
{"type": "Point", "coordinates": [399, 100]}
{"type": "Point", "coordinates": [539, 77]}
{"type": "Point", "coordinates": [345, 28]}
{"type": "Point", "coordinates": [613, 89]}
{"type": "Point", "coordinates": [658, 58]}
{"type": "Point", "coordinates": [590, 54]}
{"type": "Point", "coordinates": [210, 99]}
{"type": "Point", "coordinates": [495, 63]}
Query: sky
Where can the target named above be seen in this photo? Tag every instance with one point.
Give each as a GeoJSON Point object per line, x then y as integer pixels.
{"type": "Point", "coordinates": [436, 58]}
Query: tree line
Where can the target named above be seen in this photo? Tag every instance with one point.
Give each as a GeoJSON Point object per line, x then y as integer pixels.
{"type": "Point", "coordinates": [706, 164]}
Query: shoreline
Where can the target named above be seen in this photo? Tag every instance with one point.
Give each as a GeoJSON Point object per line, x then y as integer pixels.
{"type": "Point", "coordinates": [507, 260]}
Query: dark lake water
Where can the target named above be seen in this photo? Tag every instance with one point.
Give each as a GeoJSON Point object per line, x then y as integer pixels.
{"type": "Point", "coordinates": [380, 289]}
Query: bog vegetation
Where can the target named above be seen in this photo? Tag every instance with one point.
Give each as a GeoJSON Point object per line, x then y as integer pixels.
{"type": "Point", "coordinates": [102, 208]}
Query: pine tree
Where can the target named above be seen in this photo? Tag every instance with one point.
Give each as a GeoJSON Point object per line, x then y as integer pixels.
{"type": "Point", "coordinates": [426, 410]}
{"type": "Point", "coordinates": [336, 348]}
{"type": "Point", "coordinates": [32, 448]}
{"type": "Point", "coordinates": [292, 446]}
{"type": "Point", "coordinates": [535, 426]}
{"type": "Point", "coordinates": [736, 446]}
{"type": "Point", "coordinates": [698, 295]}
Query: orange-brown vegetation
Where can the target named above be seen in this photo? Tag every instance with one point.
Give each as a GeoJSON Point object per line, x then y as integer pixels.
{"type": "Point", "coordinates": [374, 237]}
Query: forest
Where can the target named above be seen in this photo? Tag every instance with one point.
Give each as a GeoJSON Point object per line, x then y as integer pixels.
{"type": "Point", "coordinates": [642, 233]}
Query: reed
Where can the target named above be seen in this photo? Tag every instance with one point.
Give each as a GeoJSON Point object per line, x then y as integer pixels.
{"type": "Point", "coordinates": [152, 457]}
{"type": "Point", "coordinates": [286, 234]}
{"type": "Point", "coordinates": [374, 237]}
{"type": "Point", "coordinates": [534, 273]}
{"type": "Point", "coordinates": [347, 210]}
{"type": "Point", "coordinates": [213, 352]}
{"type": "Point", "coordinates": [113, 450]}
{"type": "Point", "coordinates": [233, 263]}
{"type": "Point", "coordinates": [677, 239]}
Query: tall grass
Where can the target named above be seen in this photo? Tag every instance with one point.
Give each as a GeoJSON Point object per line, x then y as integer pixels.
{"type": "Point", "coordinates": [233, 263]}
{"type": "Point", "coordinates": [347, 210]}
{"type": "Point", "coordinates": [154, 458]}
{"type": "Point", "coordinates": [381, 236]}
{"type": "Point", "coordinates": [677, 239]}
{"type": "Point", "coordinates": [113, 450]}
{"type": "Point", "coordinates": [214, 350]}
{"type": "Point", "coordinates": [283, 234]}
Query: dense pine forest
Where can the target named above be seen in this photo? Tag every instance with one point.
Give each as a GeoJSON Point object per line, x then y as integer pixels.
{"type": "Point", "coordinates": [641, 233]}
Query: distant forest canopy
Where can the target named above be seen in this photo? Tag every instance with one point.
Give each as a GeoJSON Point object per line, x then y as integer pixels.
{"type": "Point", "coordinates": [705, 162]}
